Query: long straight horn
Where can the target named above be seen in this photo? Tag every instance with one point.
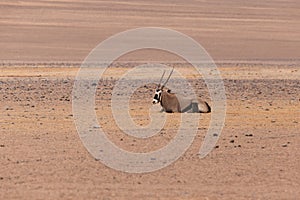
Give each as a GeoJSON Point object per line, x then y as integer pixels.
{"type": "Point", "coordinates": [168, 78]}
{"type": "Point", "coordinates": [161, 79]}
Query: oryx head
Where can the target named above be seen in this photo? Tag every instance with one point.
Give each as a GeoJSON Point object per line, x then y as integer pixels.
{"type": "Point", "coordinates": [159, 89]}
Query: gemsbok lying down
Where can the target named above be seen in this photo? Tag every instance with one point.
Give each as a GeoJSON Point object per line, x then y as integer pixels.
{"type": "Point", "coordinates": [173, 103]}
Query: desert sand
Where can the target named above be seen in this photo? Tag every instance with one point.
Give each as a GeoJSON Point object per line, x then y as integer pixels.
{"type": "Point", "coordinates": [256, 47]}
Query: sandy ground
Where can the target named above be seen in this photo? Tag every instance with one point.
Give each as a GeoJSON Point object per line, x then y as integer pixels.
{"type": "Point", "coordinates": [256, 157]}
{"type": "Point", "coordinates": [256, 45]}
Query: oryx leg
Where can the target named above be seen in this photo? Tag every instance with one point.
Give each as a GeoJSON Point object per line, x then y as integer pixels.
{"type": "Point", "coordinates": [203, 107]}
{"type": "Point", "coordinates": [195, 107]}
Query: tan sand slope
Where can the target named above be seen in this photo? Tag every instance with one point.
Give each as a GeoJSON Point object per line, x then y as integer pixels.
{"type": "Point", "coordinates": [67, 30]}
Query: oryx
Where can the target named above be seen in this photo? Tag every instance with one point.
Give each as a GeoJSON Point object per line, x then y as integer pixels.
{"type": "Point", "coordinates": [172, 102]}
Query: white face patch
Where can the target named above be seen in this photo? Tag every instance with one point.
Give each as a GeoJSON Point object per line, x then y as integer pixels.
{"type": "Point", "coordinates": [156, 97]}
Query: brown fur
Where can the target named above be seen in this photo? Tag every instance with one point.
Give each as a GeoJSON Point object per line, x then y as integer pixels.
{"type": "Point", "coordinates": [169, 102]}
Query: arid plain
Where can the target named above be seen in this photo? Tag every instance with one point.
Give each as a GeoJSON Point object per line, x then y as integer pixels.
{"type": "Point", "coordinates": [256, 47]}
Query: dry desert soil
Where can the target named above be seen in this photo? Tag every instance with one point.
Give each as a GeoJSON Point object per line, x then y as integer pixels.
{"type": "Point", "coordinates": [256, 47]}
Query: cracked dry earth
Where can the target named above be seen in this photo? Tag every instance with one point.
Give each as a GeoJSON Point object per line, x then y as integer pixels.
{"type": "Point", "coordinates": [256, 157]}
